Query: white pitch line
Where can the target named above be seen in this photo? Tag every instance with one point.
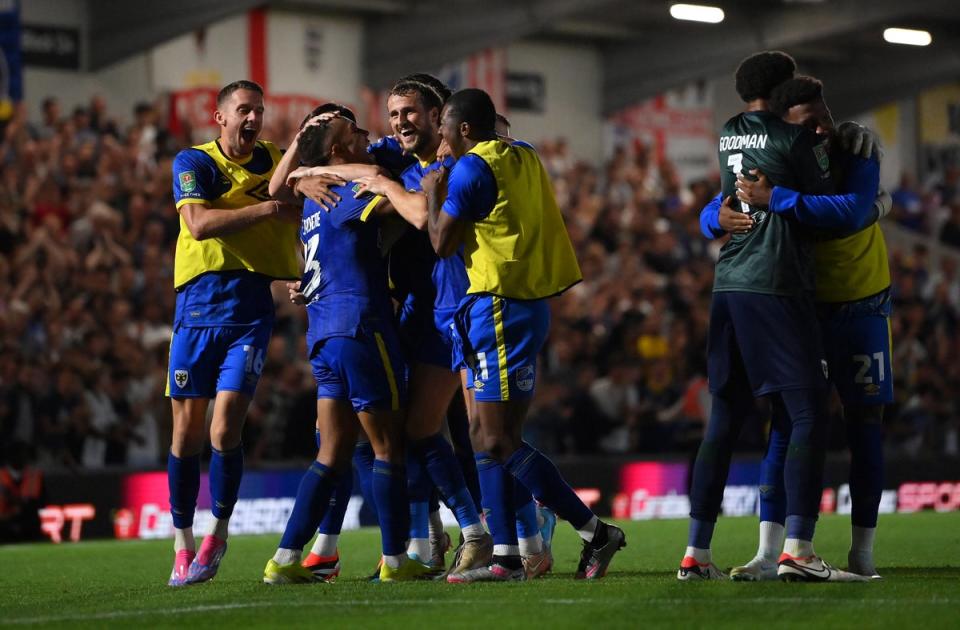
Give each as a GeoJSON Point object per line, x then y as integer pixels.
{"type": "Point", "coordinates": [661, 601]}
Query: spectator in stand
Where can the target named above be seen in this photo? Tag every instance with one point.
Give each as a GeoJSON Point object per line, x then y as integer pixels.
{"type": "Point", "coordinates": [86, 253]}
{"type": "Point", "coordinates": [907, 209]}
{"type": "Point", "coordinates": [950, 230]}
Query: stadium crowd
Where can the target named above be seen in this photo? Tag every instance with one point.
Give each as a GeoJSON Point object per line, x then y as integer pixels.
{"type": "Point", "coordinates": [87, 232]}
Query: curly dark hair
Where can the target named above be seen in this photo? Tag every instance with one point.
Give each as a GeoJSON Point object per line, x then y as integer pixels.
{"type": "Point", "coordinates": [759, 73]}
{"type": "Point", "coordinates": [796, 91]}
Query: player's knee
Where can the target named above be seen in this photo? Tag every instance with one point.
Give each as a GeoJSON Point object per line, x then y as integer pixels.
{"type": "Point", "coordinates": [389, 451]}
{"type": "Point", "coordinates": [186, 441]}
{"type": "Point", "coordinates": [500, 446]}
{"type": "Point", "coordinates": [224, 437]}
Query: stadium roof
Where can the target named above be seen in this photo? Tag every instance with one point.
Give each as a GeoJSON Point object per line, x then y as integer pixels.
{"type": "Point", "coordinates": [644, 50]}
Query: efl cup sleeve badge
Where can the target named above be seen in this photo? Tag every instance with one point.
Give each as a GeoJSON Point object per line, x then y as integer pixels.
{"type": "Point", "coordinates": [188, 181]}
{"type": "Point", "coordinates": [180, 377]}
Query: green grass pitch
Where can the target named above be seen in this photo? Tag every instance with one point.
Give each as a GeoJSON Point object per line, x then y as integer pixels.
{"type": "Point", "coordinates": [123, 584]}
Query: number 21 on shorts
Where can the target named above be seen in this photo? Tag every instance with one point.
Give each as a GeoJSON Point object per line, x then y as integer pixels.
{"type": "Point", "coordinates": [866, 362]}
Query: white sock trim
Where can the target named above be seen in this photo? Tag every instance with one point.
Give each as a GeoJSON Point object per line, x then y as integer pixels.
{"type": "Point", "coordinates": [473, 532]}
{"type": "Point", "coordinates": [287, 556]}
{"type": "Point", "coordinates": [326, 545]}
{"type": "Point", "coordinates": [394, 562]}
{"type": "Point", "coordinates": [702, 556]}
{"type": "Point", "coordinates": [531, 546]}
{"type": "Point", "coordinates": [771, 540]}
{"type": "Point", "coordinates": [419, 547]}
{"type": "Point", "coordinates": [506, 550]}
{"type": "Point", "coordinates": [798, 548]}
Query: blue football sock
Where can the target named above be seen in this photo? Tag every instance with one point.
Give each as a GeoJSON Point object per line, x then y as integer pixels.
{"type": "Point", "coordinates": [865, 439]}
{"type": "Point", "coordinates": [801, 527]}
{"type": "Point", "coordinates": [363, 464]}
{"type": "Point", "coordinates": [803, 470]}
{"type": "Point", "coordinates": [226, 471]}
{"type": "Point", "coordinates": [532, 468]}
{"type": "Point", "coordinates": [419, 489]}
{"type": "Point", "coordinates": [497, 487]}
{"type": "Point", "coordinates": [459, 427]}
{"type": "Point", "coordinates": [313, 500]}
{"type": "Point", "coordinates": [527, 524]}
{"type": "Point", "coordinates": [445, 473]}
{"type": "Point", "coordinates": [333, 520]}
{"type": "Point", "coordinates": [393, 511]}
{"type": "Point", "coordinates": [183, 479]}
{"type": "Point", "coordinates": [700, 533]}
{"type": "Point", "coordinates": [773, 495]}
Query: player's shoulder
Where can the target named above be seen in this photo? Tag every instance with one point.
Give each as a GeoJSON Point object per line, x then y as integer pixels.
{"type": "Point", "coordinates": [192, 158]}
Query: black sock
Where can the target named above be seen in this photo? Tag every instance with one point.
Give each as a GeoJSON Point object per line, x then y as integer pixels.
{"type": "Point", "coordinates": [511, 562]}
{"type": "Point", "coordinates": [600, 537]}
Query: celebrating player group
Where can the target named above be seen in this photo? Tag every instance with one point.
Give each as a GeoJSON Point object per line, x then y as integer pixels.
{"type": "Point", "coordinates": [428, 261]}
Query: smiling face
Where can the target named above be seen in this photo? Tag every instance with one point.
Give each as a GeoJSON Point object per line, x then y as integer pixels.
{"type": "Point", "coordinates": [240, 117]}
{"type": "Point", "coordinates": [414, 126]}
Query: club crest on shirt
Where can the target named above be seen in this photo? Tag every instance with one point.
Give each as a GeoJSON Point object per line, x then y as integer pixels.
{"type": "Point", "coordinates": [823, 159]}
{"type": "Point", "coordinates": [525, 378]}
{"type": "Point", "coordinates": [188, 181]}
{"type": "Point", "coordinates": [180, 377]}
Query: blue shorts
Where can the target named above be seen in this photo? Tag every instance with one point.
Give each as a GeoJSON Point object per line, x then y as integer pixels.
{"type": "Point", "coordinates": [204, 361]}
{"type": "Point", "coordinates": [430, 338]}
{"type": "Point", "coordinates": [501, 339]}
{"type": "Point", "coordinates": [856, 336]}
{"type": "Point", "coordinates": [768, 343]}
{"type": "Point", "coordinates": [367, 370]}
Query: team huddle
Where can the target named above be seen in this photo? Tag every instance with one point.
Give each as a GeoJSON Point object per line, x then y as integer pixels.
{"type": "Point", "coordinates": [428, 260]}
{"type": "Point", "coordinates": [424, 278]}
